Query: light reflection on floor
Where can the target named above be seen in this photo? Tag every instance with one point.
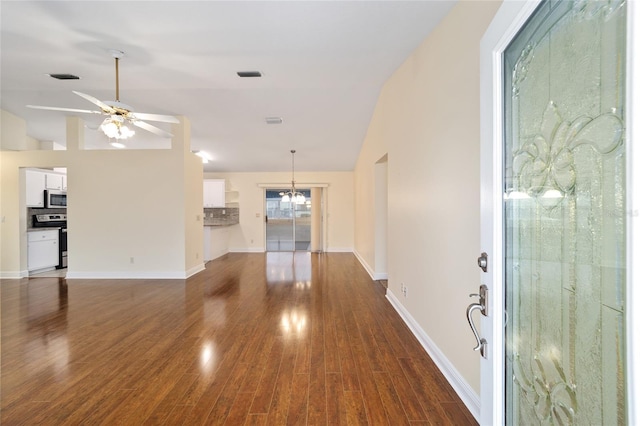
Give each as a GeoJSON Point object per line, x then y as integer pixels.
{"type": "Point", "coordinates": [289, 268]}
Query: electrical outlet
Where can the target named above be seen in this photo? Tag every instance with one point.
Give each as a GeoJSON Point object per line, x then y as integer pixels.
{"type": "Point", "coordinates": [131, 260]}
{"type": "Point", "coordinates": [403, 289]}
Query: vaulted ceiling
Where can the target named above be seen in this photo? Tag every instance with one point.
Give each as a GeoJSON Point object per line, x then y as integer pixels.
{"type": "Point", "coordinates": [323, 64]}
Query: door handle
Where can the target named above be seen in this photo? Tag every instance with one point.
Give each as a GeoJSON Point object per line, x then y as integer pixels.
{"type": "Point", "coordinates": [481, 305]}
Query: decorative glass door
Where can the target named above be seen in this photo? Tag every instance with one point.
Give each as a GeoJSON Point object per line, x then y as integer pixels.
{"type": "Point", "coordinates": [564, 216]}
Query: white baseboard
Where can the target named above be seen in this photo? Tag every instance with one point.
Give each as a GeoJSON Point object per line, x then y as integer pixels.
{"type": "Point", "coordinates": [247, 250]}
{"type": "Point", "coordinates": [192, 271]}
{"type": "Point", "coordinates": [13, 275]}
{"type": "Point", "coordinates": [133, 275]}
{"type": "Point", "coordinates": [340, 250]}
{"type": "Point", "coordinates": [469, 397]}
{"type": "Point", "coordinates": [374, 275]}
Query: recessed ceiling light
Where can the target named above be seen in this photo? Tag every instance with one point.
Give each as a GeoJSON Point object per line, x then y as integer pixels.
{"type": "Point", "coordinates": [64, 76]}
{"type": "Point", "coordinates": [273, 120]}
{"type": "Point", "coordinates": [249, 74]}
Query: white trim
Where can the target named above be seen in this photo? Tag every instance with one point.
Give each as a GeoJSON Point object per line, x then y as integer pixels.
{"type": "Point", "coordinates": [195, 270]}
{"type": "Point", "coordinates": [466, 393]}
{"type": "Point", "coordinates": [134, 275]}
{"type": "Point", "coordinates": [374, 275]}
{"type": "Point", "coordinates": [511, 16]}
{"type": "Point", "coordinates": [340, 250]}
{"type": "Point", "coordinates": [247, 250]}
{"type": "Point", "coordinates": [633, 202]}
{"type": "Point", "coordinates": [13, 275]}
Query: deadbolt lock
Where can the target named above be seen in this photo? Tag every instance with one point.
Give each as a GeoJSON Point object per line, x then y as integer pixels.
{"type": "Point", "coordinates": [483, 261]}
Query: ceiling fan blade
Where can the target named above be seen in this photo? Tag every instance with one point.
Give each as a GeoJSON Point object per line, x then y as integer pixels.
{"type": "Point", "coordinates": [155, 117]}
{"type": "Point", "coordinates": [106, 108]}
{"type": "Point", "coordinates": [153, 129]}
{"type": "Point", "coordinates": [86, 111]}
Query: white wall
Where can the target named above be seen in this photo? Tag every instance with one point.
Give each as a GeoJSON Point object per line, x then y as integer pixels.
{"type": "Point", "coordinates": [143, 204]}
{"type": "Point", "coordinates": [249, 235]}
{"type": "Point", "coordinates": [427, 121]}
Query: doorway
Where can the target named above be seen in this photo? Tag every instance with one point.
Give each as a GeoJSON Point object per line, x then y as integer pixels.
{"type": "Point", "coordinates": [381, 217]}
{"type": "Point", "coordinates": [288, 223]}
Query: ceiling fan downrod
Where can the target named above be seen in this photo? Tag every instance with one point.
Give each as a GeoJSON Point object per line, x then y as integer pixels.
{"type": "Point", "coordinates": [117, 81]}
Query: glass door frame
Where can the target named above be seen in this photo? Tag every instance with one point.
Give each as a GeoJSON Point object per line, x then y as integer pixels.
{"type": "Point", "coordinates": [511, 16]}
{"type": "Point", "coordinates": [278, 186]}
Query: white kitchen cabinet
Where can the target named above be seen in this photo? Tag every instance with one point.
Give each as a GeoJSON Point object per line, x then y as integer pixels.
{"type": "Point", "coordinates": [54, 181]}
{"type": "Point", "coordinates": [39, 180]}
{"type": "Point", "coordinates": [213, 193]}
{"type": "Point", "coordinates": [35, 183]}
{"type": "Point", "coordinates": [42, 249]}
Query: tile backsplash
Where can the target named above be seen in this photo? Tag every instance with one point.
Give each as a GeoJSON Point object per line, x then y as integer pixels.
{"type": "Point", "coordinates": [221, 216]}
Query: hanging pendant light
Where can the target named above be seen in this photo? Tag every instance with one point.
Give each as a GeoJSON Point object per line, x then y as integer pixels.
{"type": "Point", "coordinates": [293, 195]}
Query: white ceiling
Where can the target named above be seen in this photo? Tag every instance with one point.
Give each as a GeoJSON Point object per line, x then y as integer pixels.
{"type": "Point", "coordinates": [323, 65]}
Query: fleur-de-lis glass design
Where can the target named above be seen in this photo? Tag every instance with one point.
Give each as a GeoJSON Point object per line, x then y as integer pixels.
{"type": "Point", "coordinates": [546, 161]}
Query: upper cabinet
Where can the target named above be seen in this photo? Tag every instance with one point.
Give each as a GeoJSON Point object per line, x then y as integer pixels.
{"type": "Point", "coordinates": [38, 180]}
{"type": "Point", "coordinates": [35, 182]}
{"type": "Point", "coordinates": [213, 195]}
{"type": "Point", "coordinates": [54, 181]}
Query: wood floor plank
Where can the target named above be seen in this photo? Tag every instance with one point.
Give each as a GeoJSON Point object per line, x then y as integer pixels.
{"type": "Point", "coordinates": [239, 410]}
{"type": "Point", "coordinates": [297, 415]}
{"type": "Point", "coordinates": [336, 409]}
{"type": "Point", "coordinates": [264, 392]}
{"type": "Point", "coordinates": [390, 400]}
{"type": "Point", "coordinates": [279, 409]}
{"type": "Point", "coordinates": [264, 339]}
{"type": "Point", "coordinates": [355, 410]}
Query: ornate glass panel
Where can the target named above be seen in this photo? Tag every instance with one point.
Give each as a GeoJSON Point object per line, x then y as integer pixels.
{"type": "Point", "coordinates": [565, 219]}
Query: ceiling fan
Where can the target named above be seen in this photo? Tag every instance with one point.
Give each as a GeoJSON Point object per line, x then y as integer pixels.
{"type": "Point", "coordinates": [118, 113]}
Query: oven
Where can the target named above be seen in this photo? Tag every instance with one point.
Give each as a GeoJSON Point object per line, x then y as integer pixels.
{"type": "Point", "coordinates": [59, 221]}
{"type": "Point", "coordinates": [62, 244]}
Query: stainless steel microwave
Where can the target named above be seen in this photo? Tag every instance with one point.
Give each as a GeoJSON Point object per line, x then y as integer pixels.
{"type": "Point", "coordinates": [55, 199]}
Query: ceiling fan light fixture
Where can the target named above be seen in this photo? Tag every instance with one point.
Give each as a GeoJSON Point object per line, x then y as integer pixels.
{"type": "Point", "coordinates": [118, 113]}
{"type": "Point", "coordinates": [114, 129]}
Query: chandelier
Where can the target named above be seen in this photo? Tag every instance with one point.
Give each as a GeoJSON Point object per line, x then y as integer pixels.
{"type": "Point", "coordinates": [293, 195]}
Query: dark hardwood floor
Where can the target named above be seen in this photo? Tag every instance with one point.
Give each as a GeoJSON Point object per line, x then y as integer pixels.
{"type": "Point", "coordinates": [267, 339]}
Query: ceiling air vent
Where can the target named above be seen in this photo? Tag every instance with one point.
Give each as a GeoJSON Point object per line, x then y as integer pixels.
{"type": "Point", "coordinates": [273, 120]}
{"type": "Point", "coordinates": [249, 74]}
{"type": "Point", "coordinates": [64, 76]}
